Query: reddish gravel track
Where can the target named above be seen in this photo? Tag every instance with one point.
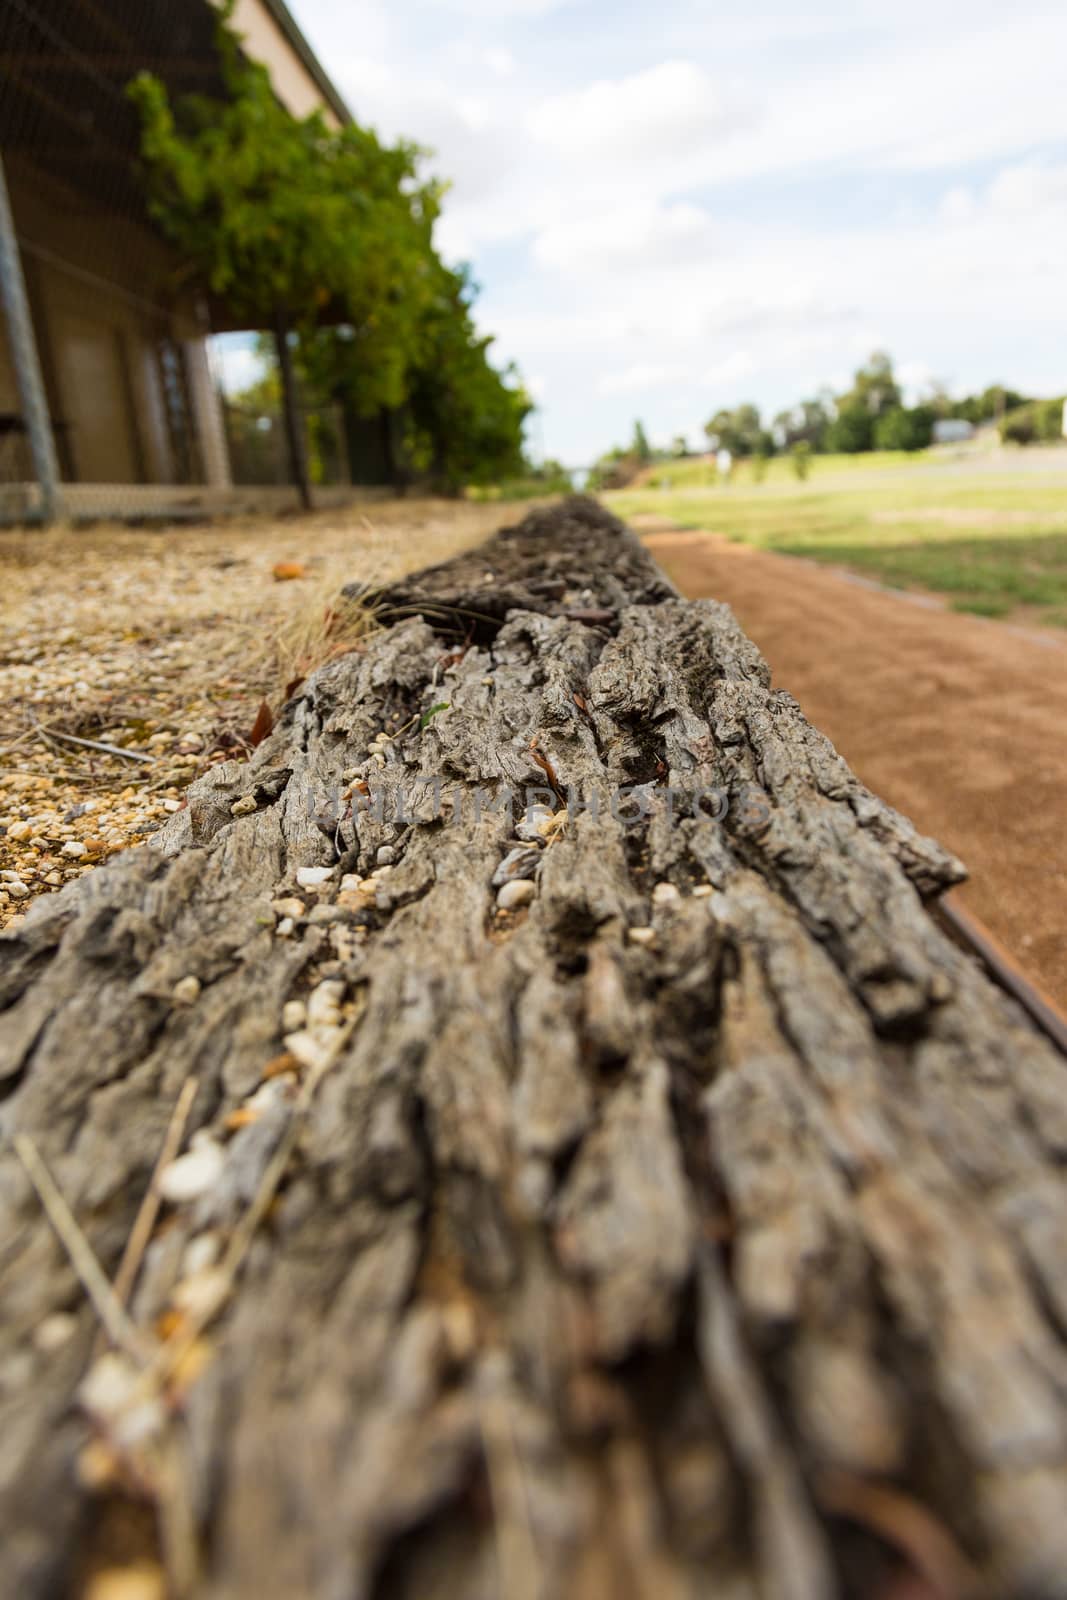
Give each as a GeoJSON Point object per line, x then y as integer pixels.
{"type": "Point", "coordinates": [959, 722]}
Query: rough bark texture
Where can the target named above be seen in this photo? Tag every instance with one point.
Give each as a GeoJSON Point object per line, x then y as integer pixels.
{"type": "Point", "coordinates": [723, 1261]}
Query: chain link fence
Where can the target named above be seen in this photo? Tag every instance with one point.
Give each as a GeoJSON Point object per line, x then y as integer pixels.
{"type": "Point", "coordinates": [127, 387]}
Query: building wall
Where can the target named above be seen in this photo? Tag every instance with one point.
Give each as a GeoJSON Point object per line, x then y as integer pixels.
{"type": "Point", "coordinates": [99, 293]}
{"type": "Point", "coordinates": [123, 356]}
{"type": "Point", "coordinates": [265, 43]}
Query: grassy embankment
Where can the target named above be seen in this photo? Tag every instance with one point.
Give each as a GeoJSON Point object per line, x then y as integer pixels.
{"type": "Point", "coordinates": [991, 541]}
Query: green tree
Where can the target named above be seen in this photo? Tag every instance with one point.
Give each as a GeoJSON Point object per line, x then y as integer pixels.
{"type": "Point", "coordinates": [290, 220]}
{"type": "Point", "coordinates": [901, 429]}
{"type": "Point", "coordinates": [465, 419]}
{"type": "Point", "coordinates": [807, 422]}
{"type": "Point", "coordinates": [852, 430]}
{"type": "Point", "coordinates": [990, 406]}
{"type": "Point", "coordinates": [874, 388]}
{"type": "Point", "coordinates": [740, 431]}
{"type": "Point", "coordinates": [327, 234]}
{"type": "Point", "coordinates": [1038, 421]}
{"type": "Point", "coordinates": [640, 449]}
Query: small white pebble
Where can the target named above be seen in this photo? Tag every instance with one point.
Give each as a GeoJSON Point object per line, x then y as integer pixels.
{"type": "Point", "coordinates": [108, 1386]}
{"type": "Point", "coordinates": [311, 1050]}
{"type": "Point", "coordinates": [19, 831]}
{"type": "Point", "coordinates": [55, 1331]}
{"type": "Point", "coordinates": [533, 824]}
{"type": "Point", "coordinates": [17, 889]}
{"type": "Point", "coordinates": [324, 1004]}
{"type": "Point", "coordinates": [665, 894]}
{"type": "Point", "coordinates": [201, 1293]}
{"type": "Point", "coordinates": [289, 907]}
{"type": "Point", "coordinates": [294, 1015]}
{"type": "Point", "coordinates": [200, 1253]}
{"type": "Point", "coordinates": [73, 848]}
{"type": "Point", "coordinates": [515, 894]}
{"type": "Point", "coordinates": [386, 855]}
{"type": "Point", "coordinates": [186, 991]}
{"type": "Point", "coordinates": [313, 877]}
{"type": "Point", "coordinates": [193, 1174]}
{"type": "Point", "coordinates": [351, 882]}
{"type": "Point", "coordinates": [172, 806]}
{"type": "Point", "coordinates": [244, 806]}
{"type": "Point", "coordinates": [642, 935]}
{"type": "Point", "coordinates": [350, 774]}
{"type": "Point", "coordinates": [143, 1420]}
{"type": "Point", "coordinates": [702, 891]}
{"type": "Point", "coordinates": [285, 927]}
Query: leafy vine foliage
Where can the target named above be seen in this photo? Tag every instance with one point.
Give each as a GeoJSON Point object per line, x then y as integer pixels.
{"type": "Point", "coordinates": [329, 231]}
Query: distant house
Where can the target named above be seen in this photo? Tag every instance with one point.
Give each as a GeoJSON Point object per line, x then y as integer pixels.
{"type": "Point", "coordinates": [953, 430]}
{"type": "Point", "coordinates": [121, 344]}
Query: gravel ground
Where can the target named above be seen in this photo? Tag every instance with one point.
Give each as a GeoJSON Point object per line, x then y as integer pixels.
{"type": "Point", "coordinates": [165, 643]}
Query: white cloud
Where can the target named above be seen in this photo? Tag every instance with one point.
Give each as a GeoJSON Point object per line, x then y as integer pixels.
{"type": "Point", "coordinates": [499, 61]}
{"type": "Point", "coordinates": [637, 235]}
{"type": "Point", "coordinates": [469, 138]}
{"type": "Point", "coordinates": [502, 10]}
{"type": "Point", "coordinates": [632, 191]}
{"type": "Point", "coordinates": [650, 115]}
{"type": "Point", "coordinates": [959, 91]}
{"type": "Point", "coordinates": [642, 376]}
{"type": "Point", "coordinates": [1028, 189]}
{"type": "Point", "coordinates": [958, 204]}
{"type": "Point", "coordinates": [916, 379]}
{"type": "Point", "coordinates": [730, 370]}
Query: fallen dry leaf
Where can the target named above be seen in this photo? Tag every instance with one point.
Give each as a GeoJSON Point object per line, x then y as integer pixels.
{"type": "Point", "coordinates": [286, 571]}
{"type": "Point", "coordinates": [263, 724]}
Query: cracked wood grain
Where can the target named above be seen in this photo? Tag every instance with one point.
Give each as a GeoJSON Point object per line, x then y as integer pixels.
{"type": "Point", "coordinates": [598, 1257]}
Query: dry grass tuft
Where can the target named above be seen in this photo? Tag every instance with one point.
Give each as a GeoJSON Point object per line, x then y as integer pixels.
{"type": "Point", "coordinates": [323, 625]}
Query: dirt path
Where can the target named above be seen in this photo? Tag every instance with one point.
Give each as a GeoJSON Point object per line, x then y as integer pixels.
{"type": "Point", "coordinates": [958, 722]}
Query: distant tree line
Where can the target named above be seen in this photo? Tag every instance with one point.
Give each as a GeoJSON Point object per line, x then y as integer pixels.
{"type": "Point", "coordinates": [325, 237]}
{"type": "Point", "coordinates": [870, 415]}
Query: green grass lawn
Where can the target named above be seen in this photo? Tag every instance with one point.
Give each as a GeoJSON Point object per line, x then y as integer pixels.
{"type": "Point", "coordinates": [992, 542]}
{"type": "Point", "coordinates": [701, 474]}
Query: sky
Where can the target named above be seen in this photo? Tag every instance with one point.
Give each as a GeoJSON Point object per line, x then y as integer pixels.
{"type": "Point", "coordinates": [676, 207]}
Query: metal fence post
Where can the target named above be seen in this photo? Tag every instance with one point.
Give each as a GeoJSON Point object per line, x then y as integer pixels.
{"type": "Point", "coordinates": [27, 365]}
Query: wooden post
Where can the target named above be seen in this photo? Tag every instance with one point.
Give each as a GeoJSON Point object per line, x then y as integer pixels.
{"type": "Point", "coordinates": [294, 433]}
{"type": "Point", "coordinates": [639, 1195]}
